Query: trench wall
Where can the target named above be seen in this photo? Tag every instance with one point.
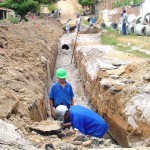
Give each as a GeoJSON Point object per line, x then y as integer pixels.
{"type": "Point", "coordinates": [28, 53]}
{"type": "Point", "coordinates": [104, 102]}
{"type": "Point", "coordinates": [110, 104]}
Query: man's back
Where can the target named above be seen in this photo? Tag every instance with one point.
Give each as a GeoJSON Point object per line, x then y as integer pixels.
{"type": "Point", "coordinates": [87, 121]}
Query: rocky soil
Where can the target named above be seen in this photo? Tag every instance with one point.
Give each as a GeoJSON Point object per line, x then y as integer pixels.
{"type": "Point", "coordinates": [25, 49]}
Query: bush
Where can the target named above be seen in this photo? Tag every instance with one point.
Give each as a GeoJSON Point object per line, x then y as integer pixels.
{"type": "Point", "coordinates": [51, 7]}
{"type": "Point", "coordinates": [120, 3]}
{"type": "Point", "coordinates": [13, 20]}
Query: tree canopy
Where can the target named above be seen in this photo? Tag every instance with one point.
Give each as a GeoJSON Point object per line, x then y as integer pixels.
{"type": "Point", "coordinates": [21, 7]}
{"type": "Point", "coordinates": [87, 2]}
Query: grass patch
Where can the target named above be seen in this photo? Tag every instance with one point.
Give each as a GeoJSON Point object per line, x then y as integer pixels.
{"type": "Point", "coordinates": [112, 37]}
{"type": "Point", "coordinates": [52, 7]}
{"type": "Point", "coordinates": [139, 54]}
{"type": "Point", "coordinates": [84, 21]}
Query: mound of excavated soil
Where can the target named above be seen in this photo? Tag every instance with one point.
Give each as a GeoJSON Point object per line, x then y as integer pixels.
{"type": "Point", "coordinates": [23, 79]}
{"type": "Point", "coordinates": [90, 30]}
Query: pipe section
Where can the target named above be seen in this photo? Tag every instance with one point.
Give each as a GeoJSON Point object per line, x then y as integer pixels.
{"type": "Point", "coordinates": [138, 20]}
{"type": "Point", "coordinates": [147, 30]}
{"type": "Point", "coordinates": [103, 26]}
{"type": "Point", "coordinates": [112, 25]}
{"type": "Point", "coordinates": [145, 18]}
{"type": "Point", "coordinates": [140, 29]}
{"type": "Point", "coordinates": [131, 18]}
{"type": "Point", "coordinates": [131, 28]}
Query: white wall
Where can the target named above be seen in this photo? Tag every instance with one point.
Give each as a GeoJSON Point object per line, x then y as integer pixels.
{"type": "Point", "coordinates": [145, 7]}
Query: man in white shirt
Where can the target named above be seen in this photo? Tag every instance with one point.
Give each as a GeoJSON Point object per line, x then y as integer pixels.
{"type": "Point", "coordinates": [78, 21]}
{"type": "Point", "coordinates": [125, 21]}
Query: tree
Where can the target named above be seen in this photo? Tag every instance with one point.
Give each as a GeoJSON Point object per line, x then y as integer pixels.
{"type": "Point", "coordinates": [87, 2]}
{"type": "Point", "coordinates": [21, 7]}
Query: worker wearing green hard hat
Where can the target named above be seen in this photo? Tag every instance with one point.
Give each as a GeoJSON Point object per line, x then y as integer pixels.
{"type": "Point", "coordinates": [61, 73]}
{"type": "Point", "coordinates": [61, 92]}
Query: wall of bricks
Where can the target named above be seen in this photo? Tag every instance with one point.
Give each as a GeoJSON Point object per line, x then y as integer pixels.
{"type": "Point", "coordinates": [113, 14]}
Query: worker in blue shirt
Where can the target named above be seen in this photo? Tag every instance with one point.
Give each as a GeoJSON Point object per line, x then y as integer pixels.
{"type": "Point", "coordinates": [85, 120]}
{"type": "Point", "coordinates": [61, 93]}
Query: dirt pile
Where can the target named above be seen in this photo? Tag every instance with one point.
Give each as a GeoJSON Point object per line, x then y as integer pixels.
{"type": "Point", "coordinates": [24, 48]}
{"type": "Point", "coordinates": [118, 85]}
{"type": "Point", "coordinates": [90, 30]}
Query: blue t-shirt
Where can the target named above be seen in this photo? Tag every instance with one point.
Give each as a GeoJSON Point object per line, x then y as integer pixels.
{"type": "Point", "coordinates": [60, 95]}
{"type": "Point", "coordinates": [87, 121]}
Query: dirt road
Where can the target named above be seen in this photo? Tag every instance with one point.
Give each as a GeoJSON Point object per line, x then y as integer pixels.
{"type": "Point", "coordinates": [69, 9]}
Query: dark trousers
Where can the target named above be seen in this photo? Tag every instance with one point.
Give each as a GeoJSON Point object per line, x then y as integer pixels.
{"type": "Point", "coordinates": [124, 28]}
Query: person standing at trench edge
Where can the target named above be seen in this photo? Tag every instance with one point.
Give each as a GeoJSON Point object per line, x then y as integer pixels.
{"type": "Point", "coordinates": [124, 22]}
{"type": "Point", "coordinates": [61, 92]}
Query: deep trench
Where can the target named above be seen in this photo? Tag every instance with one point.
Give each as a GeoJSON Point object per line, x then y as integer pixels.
{"type": "Point", "coordinates": [38, 111]}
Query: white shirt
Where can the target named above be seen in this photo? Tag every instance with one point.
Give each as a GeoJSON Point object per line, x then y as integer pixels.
{"type": "Point", "coordinates": [78, 20]}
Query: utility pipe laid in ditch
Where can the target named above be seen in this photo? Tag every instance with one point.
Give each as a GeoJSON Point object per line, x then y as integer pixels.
{"type": "Point", "coordinates": [140, 29]}
{"type": "Point", "coordinates": [112, 25]}
{"type": "Point", "coordinates": [145, 19]}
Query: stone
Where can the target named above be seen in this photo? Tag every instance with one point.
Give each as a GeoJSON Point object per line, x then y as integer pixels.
{"type": "Point", "coordinates": [87, 143]}
{"type": "Point", "coordinates": [146, 88]}
{"type": "Point", "coordinates": [47, 127]}
{"type": "Point", "coordinates": [77, 142]}
{"type": "Point", "coordinates": [79, 138]}
{"type": "Point", "coordinates": [49, 147]}
{"type": "Point", "coordinates": [147, 77]}
{"type": "Point", "coordinates": [115, 90]}
{"type": "Point", "coordinates": [114, 76]}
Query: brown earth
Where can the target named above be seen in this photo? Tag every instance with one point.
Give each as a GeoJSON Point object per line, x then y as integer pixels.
{"type": "Point", "coordinates": [24, 49]}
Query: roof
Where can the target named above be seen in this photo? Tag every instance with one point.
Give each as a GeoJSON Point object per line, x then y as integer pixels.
{"type": "Point", "coordinates": [5, 9]}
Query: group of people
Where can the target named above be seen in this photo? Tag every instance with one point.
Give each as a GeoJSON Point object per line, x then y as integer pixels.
{"type": "Point", "coordinates": [78, 22]}
{"type": "Point", "coordinates": [61, 98]}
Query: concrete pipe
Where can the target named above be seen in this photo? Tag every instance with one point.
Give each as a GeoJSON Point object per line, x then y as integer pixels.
{"type": "Point", "coordinates": [131, 18]}
{"type": "Point", "coordinates": [119, 26]}
{"type": "Point", "coordinates": [138, 20]}
{"type": "Point", "coordinates": [112, 25]}
{"type": "Point", "coordinates": [65, 46]}
{"type": "Point", "coordinates": [103, 26]}
{"type": "Point", "coordinates": [140, 29]}
{"type": "Point", "coordinates": [147, 30]}
{"type": "Point", "coordinates": [145, 19]}
{"type": "Point", "coordinates": [131, 28]}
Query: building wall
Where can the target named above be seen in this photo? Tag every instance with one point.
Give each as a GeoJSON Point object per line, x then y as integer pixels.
{"type": "Point", "coordinates": [145, 7]}
{"type": "Point", "coordinates": [107, 13]}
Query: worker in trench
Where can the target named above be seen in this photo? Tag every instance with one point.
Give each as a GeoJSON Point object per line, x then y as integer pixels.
{"type": "Point", "coordinates": [61, 92]}
{"type": "Point", "coordinates": [85, 120]}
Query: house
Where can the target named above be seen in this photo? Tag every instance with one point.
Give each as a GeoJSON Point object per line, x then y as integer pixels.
{"type": "Point", "coordinates": [106, 11]}
{"type": "Point", "coordinates": [6, 13]}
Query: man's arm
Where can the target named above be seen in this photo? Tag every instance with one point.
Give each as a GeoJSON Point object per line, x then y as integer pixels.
{"type": "Point", "coordinates": [51, 108]}
{"type": "Point", "coordinates": [66, 125]}
{"type": "Point", "coordinates": [72, 102]}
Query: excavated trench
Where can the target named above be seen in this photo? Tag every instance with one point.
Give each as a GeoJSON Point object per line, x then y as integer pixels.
{"type": "Point", "coordinates": [39, 110]}
{"type": "Point", "coordinates": [94, 93]}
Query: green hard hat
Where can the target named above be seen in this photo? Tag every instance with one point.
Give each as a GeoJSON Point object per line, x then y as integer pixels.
{"type": "Point", "coordinates": [61, 73]}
